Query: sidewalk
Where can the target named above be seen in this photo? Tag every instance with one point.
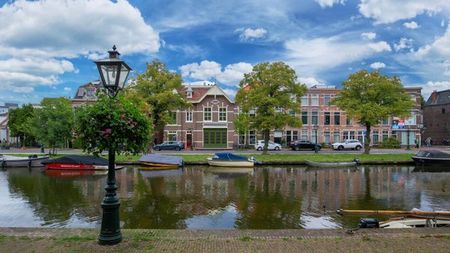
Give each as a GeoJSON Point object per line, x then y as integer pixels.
{"type": "Point", "coordinates": [139, 240]}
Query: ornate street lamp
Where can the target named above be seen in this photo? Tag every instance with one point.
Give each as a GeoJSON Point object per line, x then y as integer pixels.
{"type": "Point", "coordinates": [315, 127]}
{"type": "Point", "coordinates": [113, 74]}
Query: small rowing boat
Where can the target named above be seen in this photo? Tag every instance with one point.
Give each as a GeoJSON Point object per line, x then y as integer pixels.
{"type": "Point", "coordinates": [332, 164]}
{"type": "Point", "coordinates": [227, 159]}
{"type": "Point", "coordinates": [160, 162]}
{"type": "Point", "coordinates": [414, 211]}
{"type": "Point", "coordinates": [18, 161]}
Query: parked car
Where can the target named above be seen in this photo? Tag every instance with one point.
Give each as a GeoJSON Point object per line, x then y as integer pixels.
{"type": "Point", "coordinates": [304, 144]}
{"type": "Point", "coordinates": [169, 145]}
{"type": "Point", "coordinates": [347, 144]}
{"type": "Point", "coordinates": [446, 142]}
{"type": "Point", "coordinates": [272, 145]}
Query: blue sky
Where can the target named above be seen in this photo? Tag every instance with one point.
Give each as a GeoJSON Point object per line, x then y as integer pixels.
{"type": "Point", "coordinates": [47, 46]}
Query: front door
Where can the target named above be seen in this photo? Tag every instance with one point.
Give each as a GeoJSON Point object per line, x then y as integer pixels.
{"type": "Point", "coordinates": [188, 140]}
{"type": "Point", "coordinates": [215, 138]}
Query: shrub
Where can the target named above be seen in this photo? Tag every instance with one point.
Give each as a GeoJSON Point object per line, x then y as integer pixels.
{"type": "Point", "coordinates": [390, 143]}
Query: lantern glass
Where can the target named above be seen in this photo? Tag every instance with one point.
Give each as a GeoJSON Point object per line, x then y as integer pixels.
{"type": "Point", "coordinates": [109, 74]}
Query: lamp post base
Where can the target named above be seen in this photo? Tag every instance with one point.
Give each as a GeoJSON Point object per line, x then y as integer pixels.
{"type": "Point", "coordinates": [110, 232]}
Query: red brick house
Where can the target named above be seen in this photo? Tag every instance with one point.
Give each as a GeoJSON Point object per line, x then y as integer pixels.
{"type": "Point", "coordinates": [436, 114]}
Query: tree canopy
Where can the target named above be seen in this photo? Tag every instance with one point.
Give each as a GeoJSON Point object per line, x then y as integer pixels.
{"type": "Point", "coordinates": [20, 124]}
{"type": "Point", "coordinates": [114, 123]}
{"type": "Point", "coordinates": [371, 97]}
{"type": "Point", "coordinates": [53, 122]}
{"type": "Point", "coordinates": [158, 88]}
{"type": "Point", "coordinates": [271, 90]}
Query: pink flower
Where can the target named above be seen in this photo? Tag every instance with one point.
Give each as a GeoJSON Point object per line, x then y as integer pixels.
{"type": "Point", "coordinates": [106, 132]}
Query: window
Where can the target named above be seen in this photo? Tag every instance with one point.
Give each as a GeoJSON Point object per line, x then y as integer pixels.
{"type": "Point", "coordinates": [349, 121]}
{"type": "Point", "coordinates": [305, 100]}
{"type": "Point", "coordinates": [252, 137]}
{"type": "Point", "coordinates": [360, 136]}
{"type": "Point", "coordinates": [295, 135]}
{"type": "Point", "coordinates": [443, 110]}
{"type": "Point", "coordinates": [345, 135]}
{"type": "Point", "coordinates": [291, 113]}
{"type": "Point", "coordinates": [252, 113]}
{"type": "Point", "coordinates": [385, 121]}
{"type": "Point", "coordinates": [173, 118]}
{"type": "Point", "coordinates": [188, 116]}
{"type": "Point", "coordinates": [352, 134]}
{"type": "Point", "coordinates": [223, 114]}
{"type": "Point", "coordinates": [314, 100]}
{"type": "Point", "coordinates": [288, 137]}
{"type": "Point", "coordinates": [314, 118]}
{"type": "Point", "coordinates": [336, 137]}
{"type": "Point", "coordinates": [207, 114]}
{"type": "Point", "coordinates": [327, 118]}
{"type": "Point", "coordinates": [327, 137]}
{"type": "Point", "coordinates": [337, 118]}
{"type": "Point", "coordinates": [304, 135]}
{"type": "Point", "coordinates": [375, 138]}
{"type": "Point", "coordinates": [385, 135]}
{"type": "Point", "coordinates": [305, 118]}
{"type": "Point", "coordinates": [326, 99]}
{"type": "Point", "coordinates": [171, 135]}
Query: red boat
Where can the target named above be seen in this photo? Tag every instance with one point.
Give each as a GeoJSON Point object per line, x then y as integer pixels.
{"type": "Point", "coordinates": [73, 173]}
{"type": "Point", "coordinates": [77, 162]}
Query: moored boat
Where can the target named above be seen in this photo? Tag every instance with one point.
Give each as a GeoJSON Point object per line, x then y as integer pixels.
{"type": "Point", "coordinates": [332, 164]}
{"type": "Point", "coordinates": [18, 161]}
{"type": "Point", "coordinates": [160, 162]}
{"type": "Point", "coordinates": [415, 222]}
{"type": "Point", "coordinates": [75, 173]}
{"type": "Point", "coordinates": [227, 159]}
{"type": "Point", "coordinates": [432, 158]}
{"type": "Point", "coordinates": [77, 162]}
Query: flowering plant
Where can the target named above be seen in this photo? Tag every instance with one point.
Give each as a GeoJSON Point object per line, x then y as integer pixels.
{"type": "Point", "coordinates": [112, 123]}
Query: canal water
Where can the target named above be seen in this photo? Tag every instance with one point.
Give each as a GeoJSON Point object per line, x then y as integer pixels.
{"type": "Point", "coordinates": [217, 198]}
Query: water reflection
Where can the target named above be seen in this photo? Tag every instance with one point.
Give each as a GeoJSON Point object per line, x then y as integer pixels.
{"type": "Point", "coordinates": [213, 198]}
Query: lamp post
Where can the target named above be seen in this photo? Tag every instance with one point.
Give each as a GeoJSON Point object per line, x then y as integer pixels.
{"type": "Point", "coordinates": [315, 127]}
{"type": "Point", "coordinates": [113, 73]}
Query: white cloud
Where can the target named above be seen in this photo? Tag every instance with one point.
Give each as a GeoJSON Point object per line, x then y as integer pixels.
{"type": "Point", "coordinates": [38, 38]}
{"type": "Point", "coordinates": [369, 35]}
{"type": "Point", "coordinates": [388, 11]}
{"type": "Point", "coordinates": [312, 56]}
{"type": "Point", "coordinates": [231, 75]}
{"type": "Point", "coordinates": [230, 92]}
{"type": "Point", "coordinates": [403, 43]}
{"type": "Point", "coordinates": [430, 86]}
{"type": "Point", "coordinates": [329, 3]}
{"type": "Point", "coordinates": [251, 34]}
{"type": "Point", "coordinates": [377, 65]}
{"type": "Point", "coordinates": [67, 89]}
{"type": "Point", "coordinates": [310, 81]}
{"type": "Point", "coordinates": [411, 25]}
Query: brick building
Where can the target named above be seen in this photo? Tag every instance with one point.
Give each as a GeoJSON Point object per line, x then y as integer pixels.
{"type": "Point", "coordinates": [436, 114]}
{"type": "Point", "coordinates": [209, 123]}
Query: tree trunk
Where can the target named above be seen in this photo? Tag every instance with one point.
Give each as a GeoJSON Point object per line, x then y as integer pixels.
{"type": "Point", "coordinates": [266, 134]}
{"type": "Point", "coordinates": [367, 141]}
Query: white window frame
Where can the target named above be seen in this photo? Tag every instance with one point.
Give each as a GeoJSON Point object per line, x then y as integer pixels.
{"type": "Point", "coordinates": [189, 116]}
{"type": "Point", "coordinates": [219, 114]}
{"type": "Point", "coordinates": [210, 114]}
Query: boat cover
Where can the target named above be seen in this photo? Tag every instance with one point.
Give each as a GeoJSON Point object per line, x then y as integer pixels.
{"type": "Point", "coordinates": [229, 157]}
{"type": "Point", "coordinates": [162, 159]}
{"type": "Point", "coordinates": [432, 154]}
{"type": "Point", "coordinates": [79, 159]}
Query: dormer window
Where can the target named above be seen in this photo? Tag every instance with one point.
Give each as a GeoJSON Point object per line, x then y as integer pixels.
{"type": "Point", "coordinates": [189, 92]}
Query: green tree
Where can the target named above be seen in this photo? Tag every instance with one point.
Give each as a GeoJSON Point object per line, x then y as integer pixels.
{"type": "Point", "coordinates": [112, 123]}
{"type": "Point", "coordinates": [158, 88]}
{"type": "Point", "coordinates": [53, 122]}
{"type": "Point", "coordinates": [272, 90]}
{"type": "Point", "coordinates": [241, 123]}
{"type": "Point", "coordinates": [19, 123]}
{"type": "Point", "coordinates": [370, 97]}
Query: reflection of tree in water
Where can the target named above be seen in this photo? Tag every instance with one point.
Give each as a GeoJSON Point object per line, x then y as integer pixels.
{"type": "Point", "coordinates": [150, 207]}
{"type": "Point", "coordinates": [263, 209]}
{"type": "Point", "coordinates": [53, 199]}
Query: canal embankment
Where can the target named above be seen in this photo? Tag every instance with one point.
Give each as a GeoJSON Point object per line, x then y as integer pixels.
{"type": "Point", "coordinates": [292, 240]}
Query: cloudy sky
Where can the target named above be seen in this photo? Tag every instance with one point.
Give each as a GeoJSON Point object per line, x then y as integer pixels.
{"type": "Point", "coordinates": [47, 46]}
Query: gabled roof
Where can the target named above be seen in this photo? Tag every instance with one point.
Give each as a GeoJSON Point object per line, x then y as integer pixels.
{"type": "Point", "coordinates": [199, 92]}
{"type": "Point", "coordinates": [439, 98]}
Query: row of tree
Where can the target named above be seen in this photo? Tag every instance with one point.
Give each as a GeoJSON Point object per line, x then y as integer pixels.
{"type": "Point", "coordinates": [269, 97]}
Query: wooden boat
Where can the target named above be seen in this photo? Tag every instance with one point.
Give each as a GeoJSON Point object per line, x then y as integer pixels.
{"type": "Point", "coordinates": [77, 162]}
{"type": "Point", "coordinates": [416, 212]}
{"type": "Point", "coordinates": [160, 162]}
{"type": "Point", "coordinates": [432, 158]}
{"type": "Point", "coordinates": [227, 159]}
{"type": "Point", "coordinates": [332, 164]}
{"type": "Point", "coordinates": [18, 161]}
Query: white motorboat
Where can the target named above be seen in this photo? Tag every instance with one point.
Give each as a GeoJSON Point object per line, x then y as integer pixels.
{"type": "Point", "coordinates": [415, 222]}
{"type": "Point", "coordinates": [230, 160]}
